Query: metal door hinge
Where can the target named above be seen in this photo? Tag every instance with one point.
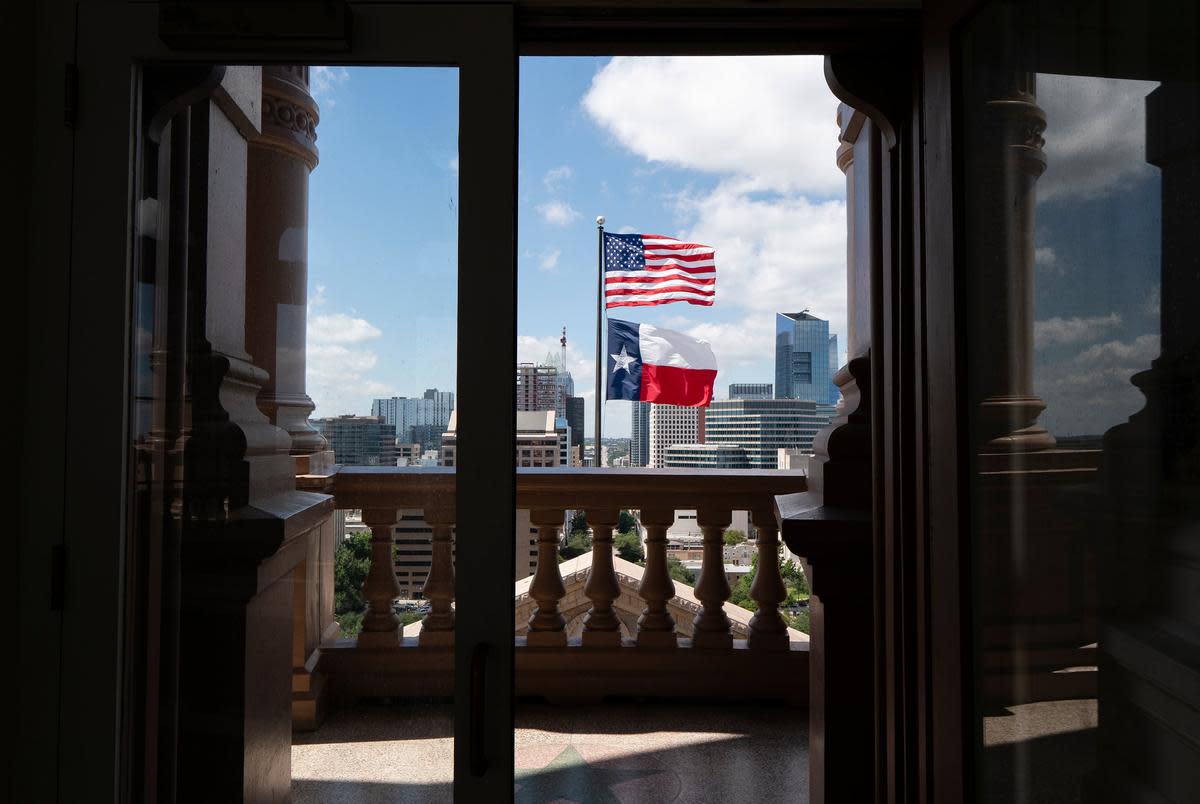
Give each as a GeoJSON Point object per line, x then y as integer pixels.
{"type": "Point", "coordinates": [71, 96]}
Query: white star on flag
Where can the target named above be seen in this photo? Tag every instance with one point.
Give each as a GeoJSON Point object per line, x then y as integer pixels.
{"type": "Point", "coordinates": [622, 360]}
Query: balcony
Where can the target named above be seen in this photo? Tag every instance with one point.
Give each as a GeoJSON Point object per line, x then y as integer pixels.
{"type": "Point", "coordinates": [587, 631]}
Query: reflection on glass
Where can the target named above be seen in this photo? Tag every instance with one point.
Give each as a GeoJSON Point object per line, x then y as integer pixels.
{"type": "Point", "coordinates": [1080, 258]}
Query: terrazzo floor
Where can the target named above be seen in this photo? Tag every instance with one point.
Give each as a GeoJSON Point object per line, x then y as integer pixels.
{"type": "Point", "coordinates": [623, 753]}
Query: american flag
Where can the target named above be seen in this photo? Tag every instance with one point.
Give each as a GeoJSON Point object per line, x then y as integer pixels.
{"type": "Point", "coordinates": [644, 269]}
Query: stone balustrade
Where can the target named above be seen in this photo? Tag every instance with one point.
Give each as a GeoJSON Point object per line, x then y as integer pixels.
{"type": "Point", "coordinates": [581, 640]}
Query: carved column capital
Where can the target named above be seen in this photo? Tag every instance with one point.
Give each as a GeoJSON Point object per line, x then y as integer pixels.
{"type": "Point", "coordinates": [289, 113]}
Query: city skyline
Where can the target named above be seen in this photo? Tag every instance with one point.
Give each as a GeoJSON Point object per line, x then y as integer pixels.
{"type": "Point", "coordinates": [383, 216]}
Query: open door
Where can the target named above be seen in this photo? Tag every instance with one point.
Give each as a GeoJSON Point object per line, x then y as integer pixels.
{"type": "Point", "coordinates": [190, 541]}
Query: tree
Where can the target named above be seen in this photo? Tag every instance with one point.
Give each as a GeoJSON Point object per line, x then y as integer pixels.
{"type": "Point", "coordinates": [351, 561]}
{"type": "Point", "coordinates": [793, 581]}
{"type": "Point", "coordinates": [799, 620]}
{"type": "Point", "coordinates": [579, 523]}
{"type": "Point", "coordinates": [679, 572]}
{"type": "Point", "coordinates": [626, 523]}
{"type": "Point", "coordinates": [629, 547]}
{"type": "Point", "coordinates": [733, 536]}
{"type": "Point", "coordinates": [576, 544]}
{"type": "Point", "coordinates": [740, 594]}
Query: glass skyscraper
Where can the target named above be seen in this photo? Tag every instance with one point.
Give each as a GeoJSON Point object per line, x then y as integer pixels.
{"type": "Point", "coordinates": [805, 358]}
{"type": "Point", "coordinates": [639, 439]}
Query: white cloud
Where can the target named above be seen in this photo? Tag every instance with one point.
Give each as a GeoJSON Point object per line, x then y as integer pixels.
{"type": "Point", "coordinates": [558, 213]}
{"type": "Point", "coordinates": [766, 126]}
{"type": "Point", "coordinates": [740, 343]}
{"type": "Point", "coordinates": [555, 177]}
{"type": "Point", "coordinates": [1092, 392]}
{"type": "Point", "coordinates": [1072, 330]}
{"type": "Point", "coordinates": [323, 83]}
{"type": "Point", "coordinates": [774, 254]}
{"type": "Point", "coordinates": [340, 328]}
{"type": "Point", "coordinates": [549, 260]}
{"type": "Point", "coordinates": [1140, 351]}
{"type": "Point", "coordinates": [1095, 135]}
{"type": "Point", "coordinates": [453, 165]}
{"type": "Point", "coordinates": [337, 362]}
{"type": "Point", "coordinates": [768, 120]}
{"type": "Point", "coordinates": [1153, 305]}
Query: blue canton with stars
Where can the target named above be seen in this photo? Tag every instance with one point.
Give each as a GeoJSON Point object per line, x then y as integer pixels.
{"type": "Point", "coordinates": [624, 252]}
{"type": "Point", "coordinates": [624, 360]}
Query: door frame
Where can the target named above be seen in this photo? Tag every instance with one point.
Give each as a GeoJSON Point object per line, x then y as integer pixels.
{"type": "Point", "coordinates": [114, 40]}
{"type": "Point", "coordinates": [98, 384]}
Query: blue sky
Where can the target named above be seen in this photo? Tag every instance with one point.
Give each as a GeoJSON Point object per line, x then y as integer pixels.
{"type": "Point", "coordinates": [668, 146]}
{"type": "Point", "coordinates": [737, 153]}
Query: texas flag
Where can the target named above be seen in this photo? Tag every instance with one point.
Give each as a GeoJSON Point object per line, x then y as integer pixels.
{"type": "Point", "coordinates": [650, 364]}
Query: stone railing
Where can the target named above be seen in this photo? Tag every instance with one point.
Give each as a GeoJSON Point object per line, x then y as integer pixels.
{"type": "Point", "coordinates": [658, 656]}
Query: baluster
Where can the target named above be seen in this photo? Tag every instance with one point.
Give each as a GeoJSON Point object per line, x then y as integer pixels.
{"type": "Point", "coordinates": [546, 624]}
{"type": "Point", "coordinates": [656, 626]}
{"type": "Point", "coordinates": [768, 631]}
{"type": "Point", "coordinates": [601, 626]}
{"type": "Point", "coordinates": [710, 628]}
{"type": "Point", "coordinates": [438, 626]}
{"type": "Point", "coordinates": [381, 626]}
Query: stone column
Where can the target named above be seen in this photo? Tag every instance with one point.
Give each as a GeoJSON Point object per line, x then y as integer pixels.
{"type": "Point", "coordinates": [1003, 162]}
{"type": "Point", "coordinates": [656, 626]}
{"type": "Point", "coordinates": [279, 162]}
{"type": "Point", "coordinates": [710, 628]}
{"type": "Point", "coordinates": [601, 626]}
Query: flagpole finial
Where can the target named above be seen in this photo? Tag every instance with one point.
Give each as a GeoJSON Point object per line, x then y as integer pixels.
{"type": "Point", "coordinates": [599, 220]}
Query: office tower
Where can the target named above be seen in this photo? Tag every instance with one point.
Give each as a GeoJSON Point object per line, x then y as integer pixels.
{"type": "Point", "coordinates": [706, 456]}
{"type": "Point", "coordinates": [359, 440]}
{"type": "Point", "coordinates": [440, 404]}
{"type": "Point", "coordinates": [751, 390]}
{"type": "Point", "coordinates": [563, 430]}
{"type": "Point", "coordinates": [802, 352]}
{"type": "Point", "coordinates": [761, 427]}
{"type": "Point", "coordinates": [575, 419]}
{"type": "Point", "coordinates": [417, 420]}
{"type": "Point", "coordinates": [639, 437]}
{"type": "Point", "coordinates": [539, 443]}
{"type": "Point", "coordinates": [834, 365]}
{"type": "Point", "coordinates": [538, 388]}
{"type": "Point", "coordinates": [671, 424]}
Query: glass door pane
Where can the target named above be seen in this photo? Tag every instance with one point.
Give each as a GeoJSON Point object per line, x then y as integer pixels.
{"type": "Point", "coordinates": [1080, 167]}
{"type": "Point", "coordinates": [295, 317]}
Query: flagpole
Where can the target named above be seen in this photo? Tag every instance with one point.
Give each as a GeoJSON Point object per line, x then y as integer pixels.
{"type": "Point", "coordinates": [599, 336]}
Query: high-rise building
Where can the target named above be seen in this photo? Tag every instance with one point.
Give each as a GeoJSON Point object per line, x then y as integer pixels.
{"type": "Point", "coordinates": [575, 419]}
{"type": "Point", "coordinates": [540, 442]}
{"type": "Point", "coordinates": [441, 405]}
{"type": "Point", "coordinates": [563, 429]}
{"type": "Point", "coordinates": [751, 390]}
{"type": "Point", "coordinates": [639, 438]}
{"type": "Point", "coordinates": [761, 427]}
{"type": "Point", "coordinates": [672, 424]}
{"type": "Point", "coordinates": [706, 456]}
{"type": "Point", "coordinates": [359, 440]}
{"type": "Point", "coordinates": [538, 388]}
{"type": "Point", "coordinates": [835, 393]}
{"type": "Point", "coordinates": [417, 420]}
{"type": "Point", "coordinates": [802, 358]}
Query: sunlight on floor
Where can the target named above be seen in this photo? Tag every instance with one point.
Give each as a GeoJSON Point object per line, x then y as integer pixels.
{"type": "Point", "coordinates": [610, 752]}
